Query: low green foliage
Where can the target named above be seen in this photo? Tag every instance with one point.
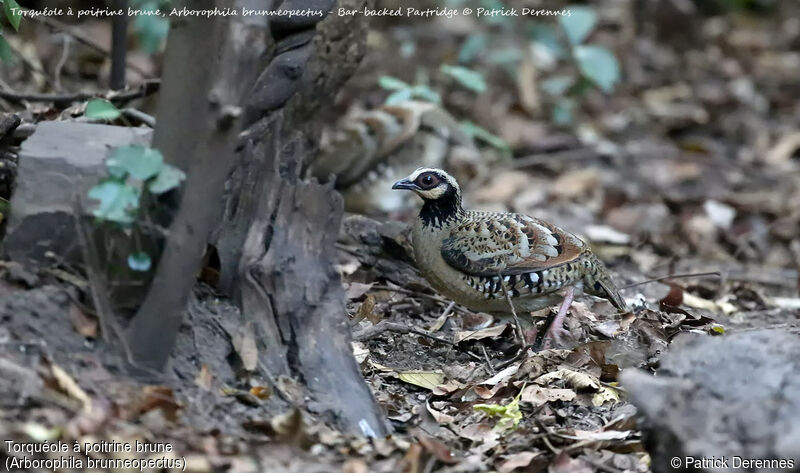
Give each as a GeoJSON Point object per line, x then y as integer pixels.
{"type": "Point", "coordinates": [139, 261]}
{"type": "Point", "coordinates": [151, 29]}
{"type": "Point", "coordinates": [595, 64]}
{"type": "Point", "coordinates": [132, 170]}
{"type": "Point", "coordinates": [403, 91]}
{"type": "Point", "coordinates": [579, 24]}
{"type": "Point", "coordinates": [482, 134]}
{"type": "Point", "coordinates": [135, 161]}
{"type": "Point", "coordinates": [100, 109]}
{"type": "Point", "coordinates": [13, 14]}
{"type": "Point", "coordinates": [556, 46]}
{"type": "Point", "coordinates": [599, 65]}
{"type": "Point", "coordinates": [509, 414]}
{"type": "Point", "coordinates": [470, 79]}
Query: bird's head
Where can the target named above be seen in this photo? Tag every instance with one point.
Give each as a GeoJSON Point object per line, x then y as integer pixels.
{"type": "Point", "coordinates": [430, 184]}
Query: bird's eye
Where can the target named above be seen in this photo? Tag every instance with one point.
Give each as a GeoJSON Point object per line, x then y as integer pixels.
{"type": "Point", "coordinates": [428, 181]}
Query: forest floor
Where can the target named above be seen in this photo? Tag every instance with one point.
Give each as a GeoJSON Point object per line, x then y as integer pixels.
{"type": "Point", "coordinates": [692, 165]}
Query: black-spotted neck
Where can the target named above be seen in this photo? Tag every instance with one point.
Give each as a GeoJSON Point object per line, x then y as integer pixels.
{"type": "Point", "coordinates": [445, 209]}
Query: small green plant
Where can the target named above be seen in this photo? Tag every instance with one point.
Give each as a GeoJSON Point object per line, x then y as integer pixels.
{"type": "Point", "coordinates": [509, 414]}
{"type": "Point", "coordinates": [13, 14]}
{"type": "Point", "coordinates": [482, 134]}
{"type": "Point", "coordinates": [151, 27]}
{"type": "Point", "coordinates": [402, 91]}
{"type": "Point", "coordinates": [596, 65]}
{"type": "Point", "coordinates": [132, 171]}
{"type": "Point", "coordinates": [100, 109]}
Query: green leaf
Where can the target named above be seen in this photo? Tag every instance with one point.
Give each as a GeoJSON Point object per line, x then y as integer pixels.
{"type": "Point", "coordinates": [99, 109]}
{"type": "Point", "coordinates": [392, 83]}
{"type": "Point", "coordinates": [151, 29]}
{"type": "Point", "coordinates": [482, 134]}
{"type": "Point", "coordinates": [398, 96]}
{"type": "Point", "coordinates": [118, 201]}
{"type": "Point", "coordinates": [558, 85]}
{"type": "Point", "coordinates": [13, 13]}
{"type": "Point", "coordinates": [470, 79]}
{"type": "Point", "coordinates": [169, 178]}
{"type": "Point", "coordinates": [598, 65]}
{"type": "Point", "coordinates": [139, 261]}
{"type": "Point", "coordinates": [510, 415]}
{"type": "Point", "coordinates": [562, 112]}
{"type": "Point", "coordinates": [423, 379]}
{"type": "Point", "coordinates": [138, 161]}
{"type": "Point", "coordinates": [474, 44]}
{"type": "Point", "coordinates": [426, 93]}
{"type": "Point", "coordinates": [505, 56]}
{"type": "Point", "coordinates": [5, 50]}
{"type": "Point", "coordinates": [546, 35]}
{"type": "Point", "coordinates": [579, 24]}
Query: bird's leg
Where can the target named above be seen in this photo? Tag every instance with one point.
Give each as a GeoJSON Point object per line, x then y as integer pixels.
{"type": "Point", "coordinates": [556, 330]}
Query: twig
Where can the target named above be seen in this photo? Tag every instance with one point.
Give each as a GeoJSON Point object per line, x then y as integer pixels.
{"type": "Point", "coordinates": [386, 326]}
{"type": "Point", "coordinates": [488, 361]}
{"type": "Point", "coordinates": [513, 311]}
{"type": "Point", "coordinates": [142, 117]}
{"type": "Point", "coordinates": [102, 304]}
{"type": "Point", "coordinates": [432, 297]}
{"type": "Point", "coordinates": [147, 88]}
{"type": "Point", "coordinates": [442, 318]}
{"type": "Point", "coordinates": [510, 361]}
{"type": "Point", "coordinates": [61, 61]}
{"type": "Point", "coordinates": [548, 432]}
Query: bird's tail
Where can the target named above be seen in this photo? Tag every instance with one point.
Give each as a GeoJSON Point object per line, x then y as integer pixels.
{"type": "Point", "coordinates": [598, 283]}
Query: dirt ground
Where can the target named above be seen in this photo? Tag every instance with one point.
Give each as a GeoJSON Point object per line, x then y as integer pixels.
{"type": "Point", "coordinates": [691, 165]}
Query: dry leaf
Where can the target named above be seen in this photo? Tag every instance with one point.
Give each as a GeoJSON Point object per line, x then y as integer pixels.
{"type": "Point", "coordinates": [158, 397]}
{"type": "Point", "coordinates": [700, 303]}
{"type": "Point", "coordinates": [204, 378]}
{"type": "Point", "coordinates": [356, 289]}
{"type": "Point", "coordinates": [564, 464]}
{"type": "Point", "coordinates": [245, 345]}
{"type": "Point", "coordinates": [503, 375]}
{"type": "Point", "coordinates": [605, 395]}
{"type": "Point", "coordinates": [480, 432]}
{"type": "Point", "coordinates": [517, 460]}
{"type": "Point", "coordinates": [82, 322]}
{"type": "Point", "coordinates": [538, 396]}
{"type": "Point", "coordinates": [440, 417]}
{"type": "Point", "coordinates": [448, 387]}
{"type": "Point", "coordinates": [490, 332]}
{"type": "Point", "coordinates": [575, 379]}
{"type": "Point", "coordinates": [423, 379]}
{"type": "Point", "coordinates": [360, 352]}
{"type": "Point", "coordinates": [289, 427]}
{"type": "Point", "coordinates": [71, 387]}
{"type": "Point", "coordinates": [437, 448]}
{"type": "Point", "coordinates": [261, 392]}
{"type": "Point", "coordinates": [354, 466]}
{"type": "Point", "coordinates": [410, 462]}
{"type": "Point", "coordinates": [674, 298]}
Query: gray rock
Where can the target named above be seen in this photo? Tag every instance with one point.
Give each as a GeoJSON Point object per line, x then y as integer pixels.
{"type": "Point", "coordinates": [722, 397]}
{"type": "Point", "coordinates": [59, 162]}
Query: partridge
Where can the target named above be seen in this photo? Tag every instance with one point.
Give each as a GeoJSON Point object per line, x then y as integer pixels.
{"type": "Point", "coordinates": [487, 261]}
{"type": "Point", "coordinates": [369, 150]}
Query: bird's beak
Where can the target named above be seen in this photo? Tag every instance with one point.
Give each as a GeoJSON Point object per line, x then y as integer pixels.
{"type": "Point", "coordinates": [405, 184]}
